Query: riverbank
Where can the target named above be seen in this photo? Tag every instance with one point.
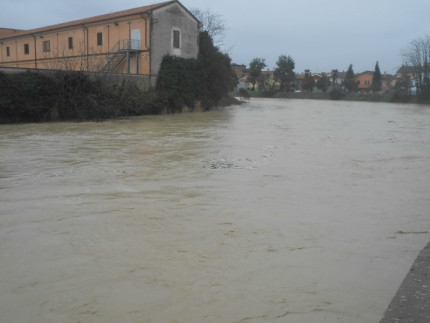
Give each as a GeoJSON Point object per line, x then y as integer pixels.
{"type": "Point", "coordinates": [40, 96]}
{"type": "Point", "coordinates": [71, 96]}
{"type": "Point", "coordinates": [362, 97]}
{"type": "Point", "coordinates": [412, 301]}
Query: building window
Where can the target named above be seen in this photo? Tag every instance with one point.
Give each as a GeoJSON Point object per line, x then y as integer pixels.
{"type": "Point", "coordinates": [7, 51]}
{"type": "Point", "coordinates": [70, 42]}
{"type": "Point", "coordinates": [99, 39]}
{"type": "Point", "coordinates": [176, 39]}
{"type": "Point", "coordinates": [26, 49]}
{"type": "Point", "coordinates": [46, 46]}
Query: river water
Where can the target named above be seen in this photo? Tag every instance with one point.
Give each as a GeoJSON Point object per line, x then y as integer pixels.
{"type": "Point", "coordinates": [274, 211]}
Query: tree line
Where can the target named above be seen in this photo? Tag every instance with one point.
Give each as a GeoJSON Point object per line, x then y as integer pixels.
{"type": "Point", "coordinates": [285, 75]}
{"type": "Point", "coordinates": [416, 57]}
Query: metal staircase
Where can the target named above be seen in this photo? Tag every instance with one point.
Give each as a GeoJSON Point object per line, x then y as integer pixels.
{"type": "Point", "coordinates": [122, 50]}
{"type": "Point", "coordinates": [114, 62]}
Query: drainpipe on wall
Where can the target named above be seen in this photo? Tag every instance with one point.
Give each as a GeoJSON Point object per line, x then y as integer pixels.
{"type": "Point", "coordinates": [129, 46]}
{"type": "Point", "coordinates": [87, 44]}
{"type": "Point", "coordinates": [129, 31]}
{"type": "Point", "coordinates": [16, 52]}
{"type": "Point", "coordinates": [108, 27]}
{"type": "Point", "coordinates": [150, 45]}
{"type": "Point", "coordinates": [146, 30]}
{"type": "Point", "coordinates": [128, 62]}
{"type": "Point", "coordinates": [35, 52]}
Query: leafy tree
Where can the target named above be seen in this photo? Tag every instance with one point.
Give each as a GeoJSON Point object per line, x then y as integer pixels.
{"type": "Point", "coordinates": [377, 79]}
{"type": "Point", "coordinates": [308, 81]}
{"type": "Point", "coordinates": [218, 75]}
{"type": "Point", "coordinates": [179, 82]}
{"type": "Point", "coordinates": [284, 73]}
{"type": "Point", "coordinates": [335, 91]}
{"type": "Point", "coordinates": [255, 68]}
{"type": "Point", "coordinates": [349, 81]}
{"type": "Point", "coordinates": [323, 83]}
{"type": "Point", "coordinates": [266, 86]}
{"type": "Point", "coordinates": [185, 81]}
{"type": "Point", "coordinates": [334, 75]}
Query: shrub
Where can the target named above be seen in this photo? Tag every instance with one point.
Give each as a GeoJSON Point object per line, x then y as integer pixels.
{"type": "Point", "coordinates": [66, 95]}
{"type": "Point", "coordinates": [179, 82]}
{"type": "Point", "coordinates": [25, 97]}
{"type": "Point", "coordinates": [336, 94]}
{"type": "Point", "coordinates": [244, 94]}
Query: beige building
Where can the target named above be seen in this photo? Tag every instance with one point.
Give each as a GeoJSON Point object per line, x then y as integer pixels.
{"type": "Point", "coordinates": [364, 81]}
{"type": "Point", "coordinates": [132, 41]}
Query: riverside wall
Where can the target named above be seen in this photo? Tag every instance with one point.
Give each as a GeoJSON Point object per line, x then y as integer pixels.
{"type": "Point", "coordinates": [412, 301]}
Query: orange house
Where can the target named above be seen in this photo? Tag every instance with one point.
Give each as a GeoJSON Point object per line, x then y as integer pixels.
{"type": "Point", "coordinates": [364, 81]}
{"type": "Point", "coordinates": [132, 41]}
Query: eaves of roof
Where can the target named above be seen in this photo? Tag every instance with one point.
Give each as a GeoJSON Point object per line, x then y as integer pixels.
{"type": "Point", "coordinates": [105, 17]}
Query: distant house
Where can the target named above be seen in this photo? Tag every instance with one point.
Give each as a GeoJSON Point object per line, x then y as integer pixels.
{"type": "Point", "coordinates": [267, 79]}
{"type": "Point", "coordinates": [322, 82]}
{"type": "Point", "coordinates": [364, 81]}
{"type": "Point", "coordinates": [406, 79]}
{"type": "Point", "coordinates": [132, 41]}
{"type": "Point", "coordinates": [242, 84]}
{"type": "Point", "coordinates": [240, 70]}
{"type": "Point", "coordinates": [317, 77]}
{"type": "Point", "coordinates": [299, 82]}
{"type": "Point", "coordinates": [336, 80]}
{"type": "Point", "coordinates": [388, 83]}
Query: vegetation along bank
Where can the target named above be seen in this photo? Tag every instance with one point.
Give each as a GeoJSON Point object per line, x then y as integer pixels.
{"type": "Point", "coordinates": [70, 95]}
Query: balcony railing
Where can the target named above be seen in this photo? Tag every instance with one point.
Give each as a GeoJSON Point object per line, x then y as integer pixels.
{"type": "Point", "coordinates": [126, 44]}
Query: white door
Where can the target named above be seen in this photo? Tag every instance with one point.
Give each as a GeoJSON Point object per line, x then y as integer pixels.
{"type": "Point", "coordinates": [135, 39]}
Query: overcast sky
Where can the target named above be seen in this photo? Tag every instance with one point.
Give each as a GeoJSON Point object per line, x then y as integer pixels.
{"type": "Point", "coordinates": [319, 35]}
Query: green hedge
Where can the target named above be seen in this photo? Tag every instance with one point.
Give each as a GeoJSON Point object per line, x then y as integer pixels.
{"type": "Point", "coordinates": [65, 95]}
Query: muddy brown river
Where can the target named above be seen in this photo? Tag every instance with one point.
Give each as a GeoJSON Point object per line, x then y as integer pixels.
{"type": "Point", "coordinates": [293, 211]}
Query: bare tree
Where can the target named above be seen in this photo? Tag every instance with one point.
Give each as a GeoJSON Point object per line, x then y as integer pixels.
{"type": "Point", "coordinates": [417, 55]}
{"type": "Point", "coordinates": [62, 59]}
{"type": "Point", "coordinates": [211, 22]}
